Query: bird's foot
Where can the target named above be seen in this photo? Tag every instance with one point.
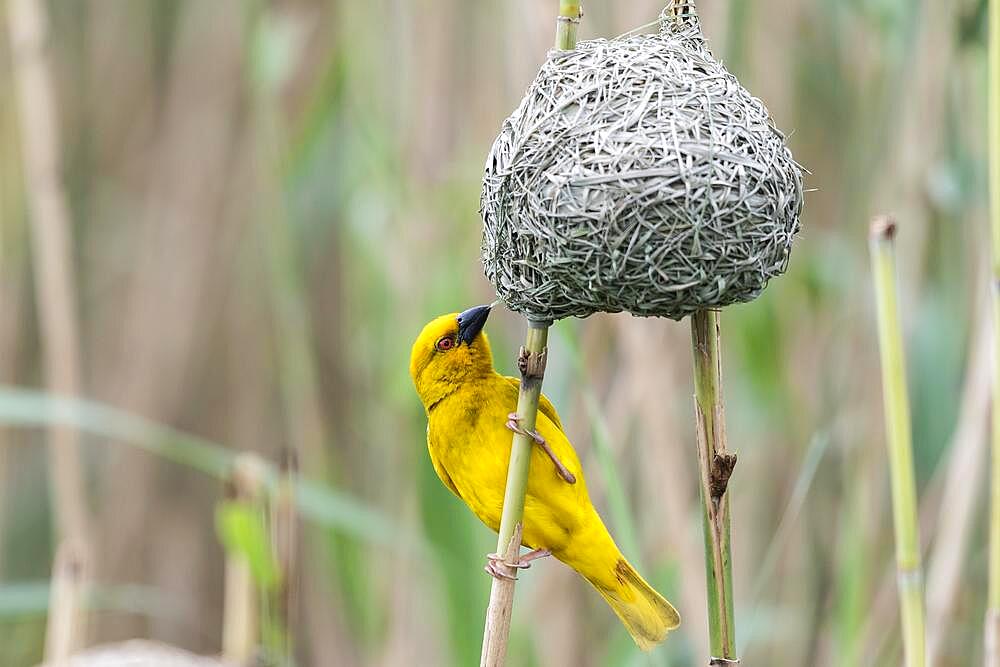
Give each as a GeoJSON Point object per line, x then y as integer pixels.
{"type": "Point", "coordinates": [514, 424]}
{"type": "Point", "coordinates": [496, 565]}
{"type": "Point", "coordinates": [534, 554]}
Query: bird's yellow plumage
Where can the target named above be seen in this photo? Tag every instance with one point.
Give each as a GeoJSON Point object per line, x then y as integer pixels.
{"type": "Point", "coordinates": [467, 404]}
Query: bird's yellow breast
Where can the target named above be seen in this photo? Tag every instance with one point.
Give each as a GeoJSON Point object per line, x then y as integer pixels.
{"type": "Point", "coordinates": [470, 445]}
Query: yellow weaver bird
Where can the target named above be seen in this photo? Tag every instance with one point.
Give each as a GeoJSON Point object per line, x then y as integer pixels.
{"type": "Point", "coordinates": [469, 411]}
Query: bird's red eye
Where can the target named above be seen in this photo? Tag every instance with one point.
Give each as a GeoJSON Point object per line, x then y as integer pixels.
{"type": "Point", "coordinates": [445, 343]}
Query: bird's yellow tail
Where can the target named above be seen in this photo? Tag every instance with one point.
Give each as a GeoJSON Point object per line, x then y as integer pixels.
{"type": "Point", "coordinates": [646, 614]}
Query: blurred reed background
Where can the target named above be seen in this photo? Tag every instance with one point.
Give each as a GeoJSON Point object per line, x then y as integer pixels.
{"type": "Point", "coordinates": [268, 200]}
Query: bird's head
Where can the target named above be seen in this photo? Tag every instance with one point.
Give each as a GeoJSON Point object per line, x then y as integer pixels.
{"type": "Point", "coordinates": [450, 350]}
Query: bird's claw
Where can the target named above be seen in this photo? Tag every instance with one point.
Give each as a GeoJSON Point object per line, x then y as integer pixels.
{"type": "Point", "coordinates": [494, 572]}
{"type": "Point", "coordinates": [494, 561]}
{"type": "Point", "coordinates": [514, 424]}
{"type": "Point", "coordinates": [521, 564]}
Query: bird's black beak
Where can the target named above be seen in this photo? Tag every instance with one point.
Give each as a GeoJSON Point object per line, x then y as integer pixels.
{"type": "Point", "coordinates": [471, 322]}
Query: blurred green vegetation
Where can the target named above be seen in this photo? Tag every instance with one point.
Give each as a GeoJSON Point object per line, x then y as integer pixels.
{"type": "Point", "coordinates": [269, 199]}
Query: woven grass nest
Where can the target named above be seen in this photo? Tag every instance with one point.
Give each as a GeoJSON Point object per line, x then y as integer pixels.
{"type": "Point", "coordinates": [637, 174]}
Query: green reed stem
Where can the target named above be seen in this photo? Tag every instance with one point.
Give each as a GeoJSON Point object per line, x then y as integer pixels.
{"type": "Point", "coordinates": [992, 621]}
{"type": "Point", "coordinates": [520, 453]}
{"type": "Point", "coordinates": [992, 637]}
{"type": "Point", "coordinates": [509, 538]}
{"type": "Point", "coordinates": [567, 23]}
{"type": "Point", "coordinates": [715, 464]}
{"type": "Point", "coordinates": [897, 417]}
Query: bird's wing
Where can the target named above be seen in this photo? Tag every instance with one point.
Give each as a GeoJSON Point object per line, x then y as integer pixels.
{"type": "Point", "coordinates": [439, 469]}
{"type": "Point", "coordinates": [544, 404]}
{"type": "Point", "coordinates": [555, 510]}
{"type": "Point", "coordinates": [563, 449]}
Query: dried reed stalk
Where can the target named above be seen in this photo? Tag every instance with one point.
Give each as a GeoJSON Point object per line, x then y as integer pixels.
{"type": "Point", "coordinates": [52, 255]}
{"type": "Point", "coordinates": [963, 479]}
{"type": "Point", "coordinates": [51, 252]}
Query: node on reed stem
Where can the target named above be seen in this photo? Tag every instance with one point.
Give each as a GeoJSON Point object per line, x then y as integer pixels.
{"type": "Point", "coordinates": [898, 440]}
{"type": "Point", "coordinates": [566, 24]}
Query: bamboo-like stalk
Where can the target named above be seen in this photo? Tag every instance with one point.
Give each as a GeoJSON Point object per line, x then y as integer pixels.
{"type": "Point", "coordinates": [897, 416]}
{"type": "Point", "coordinates": [992, 629]}
{"type": "Point", "coordinates": [715, 464]}
{"type": "Point", "coordinates": [566, 24]}
{"type": "Point", "coordinates": [532, 365]}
